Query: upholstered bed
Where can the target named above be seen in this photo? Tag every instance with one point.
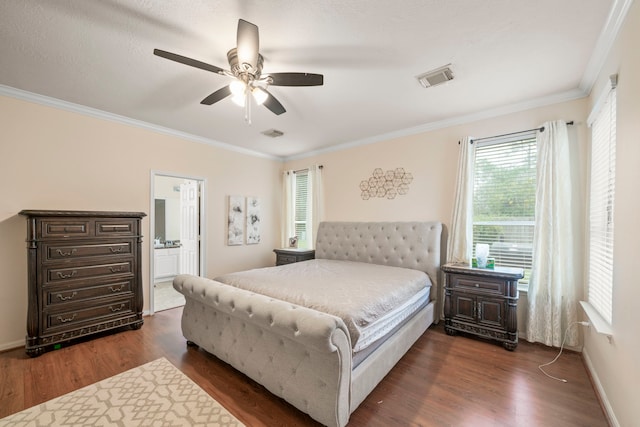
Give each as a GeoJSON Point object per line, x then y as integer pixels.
{"type": "Point", "coordinates": [318, 359]}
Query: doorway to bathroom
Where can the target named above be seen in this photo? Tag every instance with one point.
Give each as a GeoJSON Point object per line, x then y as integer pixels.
{"type": "Point", "coordinates": [177, 227]}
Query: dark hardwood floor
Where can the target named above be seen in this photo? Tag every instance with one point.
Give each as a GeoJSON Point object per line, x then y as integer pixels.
{"type": "Point", "coordinates": [441, 381]}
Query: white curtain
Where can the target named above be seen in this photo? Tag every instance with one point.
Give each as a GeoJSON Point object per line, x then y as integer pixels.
{"type": "Point", "coordinates": [556, 275]}
{"type": "Point", "coordinates": [288, 214]}
{"type": "Point", "coordinates": [461, 233]}
{"type": "Point", "coordinates": [316, 202]}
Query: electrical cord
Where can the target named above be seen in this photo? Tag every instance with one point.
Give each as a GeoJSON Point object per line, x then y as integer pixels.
{"type": "Point", "coordinates": [560, 352]}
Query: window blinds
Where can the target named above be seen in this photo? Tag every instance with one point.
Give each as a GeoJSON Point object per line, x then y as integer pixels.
{"type": "Point", "coordinates": [504, 195]}
{"type": "Point", "coordinates": [602, 194]}
{"type": "Point", "coordinates": [301, 206]}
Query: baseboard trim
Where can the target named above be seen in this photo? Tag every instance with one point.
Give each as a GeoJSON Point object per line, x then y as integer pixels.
{"type": "Point", "coordinates": [602, 395]}
{"type": "Point", "coordinates": [11, 345]}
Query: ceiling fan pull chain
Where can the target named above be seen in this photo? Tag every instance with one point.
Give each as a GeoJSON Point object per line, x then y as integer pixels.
{"type": "Point", "coordinates": [247, 105]}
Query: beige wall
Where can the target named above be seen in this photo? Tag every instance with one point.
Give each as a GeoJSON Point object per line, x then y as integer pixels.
{"type": "Point", "coordinates": [55, 159]}
{"type": "Point", "coordinates": [432, 159]}
{"type": "Point", "coordinates": [615, 363]}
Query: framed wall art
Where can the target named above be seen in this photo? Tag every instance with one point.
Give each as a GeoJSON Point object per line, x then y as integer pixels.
{"type": "Point", "coordinates": [235, 221]}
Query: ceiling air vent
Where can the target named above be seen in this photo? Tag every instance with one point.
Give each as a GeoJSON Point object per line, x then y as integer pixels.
{"type": "Point", "coordinates": [273, 133]}
{"type": "Point", "coordinates": [436, 77]}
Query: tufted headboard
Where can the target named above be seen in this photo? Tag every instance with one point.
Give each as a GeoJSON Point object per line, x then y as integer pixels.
{"type": "Point", "coordinates": [413, 245]}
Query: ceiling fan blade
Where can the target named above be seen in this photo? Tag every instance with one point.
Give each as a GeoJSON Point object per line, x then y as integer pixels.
{"type": "Point", "coordinates": [273, 104]}
{"type": "Point", "coordinates": [248, 43]}
{"type": "Point", "coordinates": [187, 61]}
{"type": "Point", "coordinates": [216, 96]}
{"type": "Point", "coordinates": [296, 79]}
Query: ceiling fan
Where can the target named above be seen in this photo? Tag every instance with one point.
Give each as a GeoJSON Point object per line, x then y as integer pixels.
{"type": "Point", "coordinates": [246, 63]}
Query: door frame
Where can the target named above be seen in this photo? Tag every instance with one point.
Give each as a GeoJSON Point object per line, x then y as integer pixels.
{"type": "Point", "coordinates": [202, 182]}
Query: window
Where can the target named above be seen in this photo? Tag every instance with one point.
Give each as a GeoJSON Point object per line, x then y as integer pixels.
{"type": "Point", "coordinates": [504, 195]}
{"type": "Point", "coordinates": [302, 209]}
{"type": "Point", "coordinates": [601, 205]}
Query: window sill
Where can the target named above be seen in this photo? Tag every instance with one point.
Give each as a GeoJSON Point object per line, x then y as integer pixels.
{"type": "Point", "coordinates": [599, 324]}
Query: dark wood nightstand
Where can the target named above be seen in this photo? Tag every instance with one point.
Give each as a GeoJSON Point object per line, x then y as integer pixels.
{"type": "Point", "coordinates": [483, 302]}
{"type": "Point", "coordinates": [291, 255]}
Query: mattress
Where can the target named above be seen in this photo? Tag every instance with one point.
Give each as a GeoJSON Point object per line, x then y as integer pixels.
{"type": "Point", "coordinates": [371, 299]}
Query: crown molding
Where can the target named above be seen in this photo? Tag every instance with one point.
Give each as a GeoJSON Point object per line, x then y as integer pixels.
{"type": "Point", "coordinates": [104, 115]}
{"type": "Point", "coordinates": [455, 121]}
{"type": "Point", "coordinates": [605, 41]}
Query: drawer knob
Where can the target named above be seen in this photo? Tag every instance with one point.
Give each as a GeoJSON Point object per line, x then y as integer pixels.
{"type": "Point", "coordinates": [63, 298]}
{"type": "Point", "coordinates": [477, 285]}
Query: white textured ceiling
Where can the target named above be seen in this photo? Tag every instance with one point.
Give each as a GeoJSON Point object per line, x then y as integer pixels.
{"type": "Point", "coordinates": [99, 54]}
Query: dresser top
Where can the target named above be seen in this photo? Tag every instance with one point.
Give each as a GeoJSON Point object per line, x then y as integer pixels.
{"type": "Point", "coordinates": [54, 213]}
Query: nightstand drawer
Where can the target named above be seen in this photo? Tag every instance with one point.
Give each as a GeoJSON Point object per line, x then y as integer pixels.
{"type": "Point", "coordinates": [477, 284]}
{"type": "Point", "coordinates": [286, 259]}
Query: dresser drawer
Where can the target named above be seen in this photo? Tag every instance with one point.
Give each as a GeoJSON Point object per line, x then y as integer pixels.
{"type": "Point", "coordinates": [88, 313]}
{"type": "Point", "coordinates": [60, 251]}
{"type": "Point", "coordinates": [115, 227]}
{"type": "Point", "coordinates": [70, 294]}
{"type": "Point", "coordinates": [57, 228]}
{"type": "Point", "coordinates": [477, 284]}
{"type": "Point", "coordinates": [61, 274]}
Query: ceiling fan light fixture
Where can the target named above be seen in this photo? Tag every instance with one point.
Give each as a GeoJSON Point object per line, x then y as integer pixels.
{"type": "Point", "coordinates": [237, 88]}
{"type": "Point", "coordinates": [259, 95]}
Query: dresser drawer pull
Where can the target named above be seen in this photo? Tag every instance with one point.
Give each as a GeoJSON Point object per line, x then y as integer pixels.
{"type": "Point", "coordinates": [66, 276]}
{"type": "Point", "coordinates": [113, 289]}
{"type": "Point", "coordinates": [477, 285]}
{"type": "Point", "coordinates": [115, 250]}
{"type": "Point", "coordinates": [116, 309]}
{"type": "Point", "coordinates": [68, 253]}
{"type": "Point", "coordinates": [68, 297]}
{"type": "Point", "coordinates": [67, 319]}
{"type": "Point", "coordinates": [118, 269]}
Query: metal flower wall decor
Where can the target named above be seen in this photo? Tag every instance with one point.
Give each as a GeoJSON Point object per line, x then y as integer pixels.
{"type": "Point", "coordinates": [387, 184]}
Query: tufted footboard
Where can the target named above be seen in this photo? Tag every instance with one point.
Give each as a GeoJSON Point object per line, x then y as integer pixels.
{"type": "Point", "coordinates": [298, 354]}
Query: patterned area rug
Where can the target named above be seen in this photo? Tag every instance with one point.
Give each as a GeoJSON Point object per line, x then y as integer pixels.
{"type": "Point", "coordinates": [154, 394]}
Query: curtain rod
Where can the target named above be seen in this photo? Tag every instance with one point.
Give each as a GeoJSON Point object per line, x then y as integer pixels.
{"type": "Point", "coordinates": [306, 169]}
{"type": "Point", "coordinates": [541, 129]}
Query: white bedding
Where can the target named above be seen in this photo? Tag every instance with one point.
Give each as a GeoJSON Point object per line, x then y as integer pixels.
{"type": "Point", "coordinates": [371, 299]}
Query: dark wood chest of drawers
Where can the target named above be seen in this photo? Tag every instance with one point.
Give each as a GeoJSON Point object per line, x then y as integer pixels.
{"type": "Point", "coordinates": [84, 275]}
{"type": "Point", "coordinates": [483, 302]}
